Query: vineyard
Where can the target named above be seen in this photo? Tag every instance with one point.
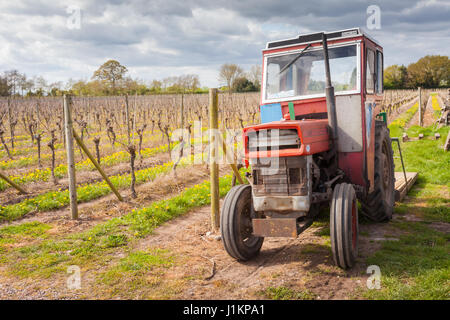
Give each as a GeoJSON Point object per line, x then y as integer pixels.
{"type": "Point", "coordinates": [156, 243]}
{"type": "Point", "coordinates": [33, 153]}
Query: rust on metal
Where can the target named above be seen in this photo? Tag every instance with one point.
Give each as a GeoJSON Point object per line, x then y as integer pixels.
{"type": "Point", "coordinates": [275, 227]}
{"type": "Point", "coordinates": [289, 178]}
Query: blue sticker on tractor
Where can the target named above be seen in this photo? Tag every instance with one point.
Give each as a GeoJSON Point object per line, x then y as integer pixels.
{"type": "Point", "coordinates": [271, 112]}
{"type": "Point", "coordinates": [369, 108]}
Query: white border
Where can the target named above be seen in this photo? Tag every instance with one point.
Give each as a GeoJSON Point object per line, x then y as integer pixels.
{"type": "Point", "coordinates": [319, 95]}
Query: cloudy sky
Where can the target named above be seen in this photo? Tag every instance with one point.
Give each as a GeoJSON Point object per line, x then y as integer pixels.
{"type": "Point", "coordinates": [160, 38]}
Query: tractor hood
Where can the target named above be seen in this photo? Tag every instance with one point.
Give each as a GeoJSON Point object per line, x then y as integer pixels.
{"type": "Point", "coordinates": [286, 138]}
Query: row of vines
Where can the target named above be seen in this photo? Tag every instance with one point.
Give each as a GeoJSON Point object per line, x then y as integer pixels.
{"type": "Point", "coordinates": [129, 135]}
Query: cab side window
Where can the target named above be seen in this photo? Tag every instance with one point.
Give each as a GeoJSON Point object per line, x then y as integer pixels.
{"type": "Point", "coordinates": [370, 71]}
{"type": "Point", "coordinates": [379, 83]}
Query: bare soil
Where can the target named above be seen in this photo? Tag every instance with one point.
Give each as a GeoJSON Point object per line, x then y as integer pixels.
{"type": "Point", "coordinates": [427, 116]}
{"type": "Point", "coordinates": [205, 271]}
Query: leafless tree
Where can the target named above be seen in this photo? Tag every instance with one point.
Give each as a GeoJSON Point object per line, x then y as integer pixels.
{"type": "Point", "coordinates": [229, 73]}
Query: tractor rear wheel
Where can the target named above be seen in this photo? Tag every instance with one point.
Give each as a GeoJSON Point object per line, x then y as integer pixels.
{"type": "Point", "coordinates": [344, 226]}
{"type": "Point", "coordinates": [379, 204]}
{"type": "Point", "coordinates": [236, 224]}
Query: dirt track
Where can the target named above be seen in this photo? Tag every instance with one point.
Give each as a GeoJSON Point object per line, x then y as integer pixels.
{"type": "Point", "coordinates": [427, 116]}
{"type": "Point", "coordinates": [203, 270]}
{"type": "Point", "coordinates": [304, 264]}
{"type": "Point", "coordinates": [401, 110]}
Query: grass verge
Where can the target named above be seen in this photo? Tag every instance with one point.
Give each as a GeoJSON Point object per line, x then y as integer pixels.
{"type": "Point", "coordinates": [414, 267]}
{"type": "Point", "coordinates": [285, 293]}
{"type": "Point", "coordinates": [94, 247]}
{"type": "Point", "coordinates": [417, 266]}
{"type": "Point", "coordinates": [87, 192]}
{"type": "Point", "coordinates": [396, 126]}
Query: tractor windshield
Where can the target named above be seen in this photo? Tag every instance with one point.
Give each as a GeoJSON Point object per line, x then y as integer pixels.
{"type": "Point", "coordinates": [306, 77]}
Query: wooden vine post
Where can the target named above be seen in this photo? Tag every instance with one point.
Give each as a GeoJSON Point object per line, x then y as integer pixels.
{"type": "Point", "coordinates": [14, 185]}
{"type": "Point", "coordinates": [213, 151]}
{"type": "Point", "coordinates": [232, 162]}
{"type": "Point", "coordinates": [11, 126]}
{"type": "Point", "coordinates": [96, 165]}
{"type": "Point", "coordinates": [70, 156]}
{"type": "Point", "coordinates": [447, 142]}
{"type": "Point", "coordinates": [216, 139]}
{"type": "Point", "coordinates": [420, 106]}
{"type": "Point", "coordinates": [182, 111]}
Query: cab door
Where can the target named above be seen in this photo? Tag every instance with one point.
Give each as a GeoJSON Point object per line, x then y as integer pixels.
{"type": "Point", "coordinates": [372, 84]}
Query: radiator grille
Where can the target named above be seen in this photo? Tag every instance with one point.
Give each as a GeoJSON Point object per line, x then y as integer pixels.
{"type": "Point", "coordinates": [287, 178]}
{"type": "Point", "coordinates": [273, 139]}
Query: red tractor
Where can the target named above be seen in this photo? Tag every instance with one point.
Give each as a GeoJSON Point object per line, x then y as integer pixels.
{"type": "Point", "coordinates": [320, 141]}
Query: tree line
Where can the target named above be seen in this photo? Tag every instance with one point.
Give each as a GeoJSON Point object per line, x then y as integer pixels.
{"type": "Point", "coordinates": [111, 79]}
{"type": "Point", "coordinates": [427, 72]}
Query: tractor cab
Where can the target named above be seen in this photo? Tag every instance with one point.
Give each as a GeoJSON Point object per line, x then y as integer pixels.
{"type": "Point", "coordinates": [293, 88]}
{"type": "Point", "coordinates": [319, 143]}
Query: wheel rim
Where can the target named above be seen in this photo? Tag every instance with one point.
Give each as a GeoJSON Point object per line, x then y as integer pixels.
{"type": "Point", "coordinates": [354, 225]}
{"type": "Point", "coordinates": [245, 225]}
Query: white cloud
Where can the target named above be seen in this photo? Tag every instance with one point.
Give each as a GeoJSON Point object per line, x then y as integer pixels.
{"type": "Point", "coordinates": [161, 38]}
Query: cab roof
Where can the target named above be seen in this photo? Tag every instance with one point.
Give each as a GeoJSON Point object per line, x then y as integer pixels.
{"type": "Point", "coordinates": [317, 37]}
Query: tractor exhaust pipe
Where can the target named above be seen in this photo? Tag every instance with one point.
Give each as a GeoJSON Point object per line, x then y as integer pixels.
{"type": "Point", "coordinates": [329, 92]}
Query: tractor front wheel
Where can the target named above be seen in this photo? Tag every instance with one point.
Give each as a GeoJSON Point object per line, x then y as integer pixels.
{"type": "Point", "coordinates": [344, 225]}
{"type": "Point", "coordinates": [236, 224]}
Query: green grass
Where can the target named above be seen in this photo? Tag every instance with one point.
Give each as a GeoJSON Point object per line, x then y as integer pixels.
{"type": "Point", "coordinates": [145, 261]}
{"type": "Point", "coordinates": [396, 126]}
{"type": "Point", "coordinates": [61, 170]}
{"type": "Point", "coordinates": [418, 265]}
{"type": "Point", "coordinates": [436, 107]}
{"type": "Point", "coordinates": [434, 196]}
{"type": "Point", "coordinates": [23, 232]}
{"type": "Point", "coordinates": [415, 130]}
{"type": "Point", "coordinates": [135, 265]}
{"type": "Point", "coordinates": [140, 275]}
{"type": "Point", "coordinates": [426, 157]}
{"type": "Point", "coordinates": [284, 293]}
{"type": "Point", "coordinates": [415, 267]}
{"type": "Point", "coordinates": [115, 240]}
{"type": "Point", "coordinates": [85, 192]}
{"type": "Point", "coordinates": [323, 225]}
{"type": "Point", "coordinates": [94, 246]}
{"type": "Point", "coordinates": [316, 248]}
